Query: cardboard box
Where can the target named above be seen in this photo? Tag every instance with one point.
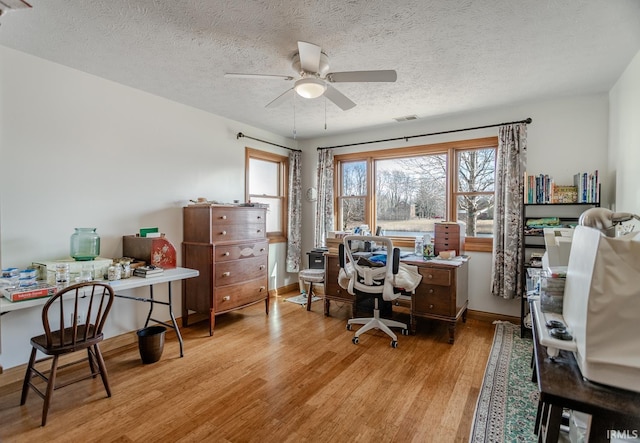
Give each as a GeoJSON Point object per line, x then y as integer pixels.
{"type": "Point", "coordinates": [47, 269]}
{"type": "Point", "coordinates": [36, 291]}
{"type": "Point", "coordinates": [154, 251]}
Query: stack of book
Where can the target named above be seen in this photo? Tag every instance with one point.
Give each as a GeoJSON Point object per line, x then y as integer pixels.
{"type": "Point", "coordinates": [147, 271]}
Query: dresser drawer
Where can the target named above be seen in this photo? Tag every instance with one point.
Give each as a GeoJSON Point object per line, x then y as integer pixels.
{"type": "Point", "coordinates": [237, 271]}
{"type": "Point", "coordinates": [238, 251]}
{"type": "Point", "coordinates": [227, 233]}
{"type": "Point", "coordinates": [434, 276]}
{"type": "Point", "coordinates": [237, 216]}
{"type": "Point", "coordinates": [433, 299]}
{"type": "Point", "coordinates": [234, 296]}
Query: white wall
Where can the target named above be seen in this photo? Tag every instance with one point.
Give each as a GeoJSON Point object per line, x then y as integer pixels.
{"type": "Point", "coordinates": [80, 151]}
{"type": "Point", "coordinates": [567, 135]}
{"type": "Point", "coordinates": [624, 138]}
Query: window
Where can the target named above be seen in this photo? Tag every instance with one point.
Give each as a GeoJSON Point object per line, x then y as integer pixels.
{"type": "Point", "coordinates": [266, 178]}
{"type": "Point", "coordinates": [405, 191]}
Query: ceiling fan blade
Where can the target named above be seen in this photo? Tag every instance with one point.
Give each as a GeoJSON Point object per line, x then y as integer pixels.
{"type": "Point", "coordinates": [363, 76]}
{"type": "Point", "coordinates": [279, 99]}
{"type": "Point", "coordinates": [309, 56]}
{"type": "Point", "coordinates": [258, 76]}
{"type": "Point", "coordinates": [337, 97]}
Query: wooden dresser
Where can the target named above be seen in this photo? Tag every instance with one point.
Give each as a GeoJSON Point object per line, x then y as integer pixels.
{"type": "Point", "coordinates": [443, 293]}
{"type": "Point", "coordinates": [228, 246]}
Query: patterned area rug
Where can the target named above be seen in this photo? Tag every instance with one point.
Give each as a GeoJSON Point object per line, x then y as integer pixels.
{"type": "Point", "coordinates": [508, 400]}
{"type": "Point", "coordinates": [301, 299]}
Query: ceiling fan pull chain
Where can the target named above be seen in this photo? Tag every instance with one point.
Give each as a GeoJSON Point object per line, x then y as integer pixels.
{"type": "Point", "coordinates": [325, 113]}
{"type": "Point", "coordinates": [294, 117]}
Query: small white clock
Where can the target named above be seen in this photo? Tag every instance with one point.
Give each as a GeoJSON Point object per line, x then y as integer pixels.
{"type": "Point", "coordinates": [311, 194]}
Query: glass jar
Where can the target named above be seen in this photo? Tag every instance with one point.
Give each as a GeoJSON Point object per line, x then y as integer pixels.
{"type": "Point", "coordinates": [85, 244]}
{"type": "Point", "coordinates": [126, 268]}
{"type": "Point", "coordinates": [417, 249]}
{"type": "Point", "coordinates": [114, 272]}
{"type": "Point", "coordinates": [62, 274]}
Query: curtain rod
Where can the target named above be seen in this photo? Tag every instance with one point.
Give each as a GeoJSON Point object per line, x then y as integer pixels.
{"type": "Point", "coordinates": [527, 121]}
{"type": "Point", "coordinates": [240, 134]}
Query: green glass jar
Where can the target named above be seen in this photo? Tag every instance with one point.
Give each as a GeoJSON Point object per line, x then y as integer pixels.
{"type": "Point", "coordinates": [85, 244]}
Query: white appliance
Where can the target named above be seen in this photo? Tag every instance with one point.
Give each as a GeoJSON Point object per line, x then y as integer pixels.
{"type": "Point", "coordinates": [602, 306]}
{"type": "Point", "coordinates": [557, 242]}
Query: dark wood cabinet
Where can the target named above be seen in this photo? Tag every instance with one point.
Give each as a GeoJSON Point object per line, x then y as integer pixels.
{"type": "Point", "coordinates": [228, 246]}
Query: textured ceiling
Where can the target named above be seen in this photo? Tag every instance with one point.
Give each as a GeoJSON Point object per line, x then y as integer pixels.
{"type": "Point", "coordinates": [451, 56]}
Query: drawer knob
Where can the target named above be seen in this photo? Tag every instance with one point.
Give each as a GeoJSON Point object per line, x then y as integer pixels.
{"type": "Point", "coordinates": [262, 288]}
{"type": "Point", "coordinates": [259, 217]}
{"type": "Point", "coordinates": [223, 217]}
{"type": "Point", "coordinates": [259, 231]}
{"type": "Point", "coordinates": [226, 298]}
{"type": "Point", "coordinates": [261, 267]}
{"type": "Point", "coordinates": [223, 233]}
{"type": "Point", "coordinates": [430, 276]}
{"type": "Point", "coordinates": [430, 306]}
{"type": "Point", "coordinates": [261, 249]}
{"type": "Point", "coordinates": [226, 254]}
{"type": "Point", "coordinates": [430, 291]}
{"type": "Point", "coordinates": [226, 274]}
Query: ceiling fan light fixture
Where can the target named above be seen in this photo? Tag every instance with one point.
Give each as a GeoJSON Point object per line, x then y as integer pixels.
{"type": "Point", "coordinates": [310, 87]}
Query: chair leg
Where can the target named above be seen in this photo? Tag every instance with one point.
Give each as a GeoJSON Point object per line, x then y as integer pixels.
{"type": "Point", "coordinates": [51, 383]}
{"type": "Point", "coordinates": [27, 376]}
{"type": "Point", "coordinates": [103, 370]}
{"type": "Point", "coordinates": [92, 365]}
{"type": "Point", "coordinates": [309, 296]}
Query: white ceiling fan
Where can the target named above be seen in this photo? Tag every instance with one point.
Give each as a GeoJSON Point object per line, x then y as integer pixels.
{"type": "Point", "coordinates": [313, 65]}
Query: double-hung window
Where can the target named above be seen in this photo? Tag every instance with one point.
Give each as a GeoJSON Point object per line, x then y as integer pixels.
{"type": "Point", "coordinates": [403, 192]}
{"type": "Point", "coordinates": [266, 178]}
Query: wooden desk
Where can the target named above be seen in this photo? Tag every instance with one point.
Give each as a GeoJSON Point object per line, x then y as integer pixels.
{"type": "Point", "coordinates": [561, 386]}
{"type": "Point", "coordinates": [168, 276]}
{"type": "Point", "coordinates": [441, 295]}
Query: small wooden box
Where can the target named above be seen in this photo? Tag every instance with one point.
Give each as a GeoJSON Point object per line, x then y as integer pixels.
{"type": "Point", "coordinates": [447, 237]}
{"type": "Point", "coordinates": [156, 251]}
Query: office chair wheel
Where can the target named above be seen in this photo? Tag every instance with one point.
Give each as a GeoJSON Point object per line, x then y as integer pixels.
{"type": "Point", "coordinates": [355, 340]}
{"type": "Point", "coordinates": [348, 327]}
{"type": "Point", "coordinates": [405, 332]}
{"type": "Point", "coordinates": [394, 344]}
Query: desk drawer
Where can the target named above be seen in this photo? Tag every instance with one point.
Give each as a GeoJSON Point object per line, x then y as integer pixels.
{"type": "Point", "coordinates": [237, 271]}
{"type": "Point", "coordinates": [434, 276]}
{"type": "Point", "coordinates": [241, 251]}
{"type": "Point", "coordinates": [432, 299]}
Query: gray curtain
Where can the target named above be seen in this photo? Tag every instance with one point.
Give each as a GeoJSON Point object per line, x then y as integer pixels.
{"type": "Point", "coordinates": [294, 241]}
{"type": "Point", "coordinates": [508, 236]}
{"type": "Point", "coordinates": [324, 204]}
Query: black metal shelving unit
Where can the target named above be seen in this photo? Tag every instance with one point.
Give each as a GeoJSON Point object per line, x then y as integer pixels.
{"type": "Point", "coordinates": [568, 213]}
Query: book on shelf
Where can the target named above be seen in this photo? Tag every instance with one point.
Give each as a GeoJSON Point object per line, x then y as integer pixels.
{"type": "Point", "coordinates": [147, 271]}
{"type": "Point", "coordinates": [39, 290]}
{"type": "Point", "coordinates": [541, 189]}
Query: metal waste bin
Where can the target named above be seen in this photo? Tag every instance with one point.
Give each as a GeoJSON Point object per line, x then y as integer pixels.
{"type": "Point", "coordinates": [151, 343]}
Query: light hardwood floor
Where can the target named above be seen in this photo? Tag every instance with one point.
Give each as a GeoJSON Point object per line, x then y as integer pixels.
{"type": "Point", "coordinates": [291, 376]}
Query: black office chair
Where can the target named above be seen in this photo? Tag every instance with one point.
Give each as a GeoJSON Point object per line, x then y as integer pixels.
{"type": "Point", "coordinates": [84, 331]}
{"type": "Point", "coordinates": [367, 278]}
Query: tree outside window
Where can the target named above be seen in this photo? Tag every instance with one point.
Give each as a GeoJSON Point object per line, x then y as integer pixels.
{"type": "Point", "coordinates": [405, 191]}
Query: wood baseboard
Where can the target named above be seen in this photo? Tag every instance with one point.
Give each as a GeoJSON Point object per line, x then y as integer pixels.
{"type": "Point", "coordinates": [491, 317]}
